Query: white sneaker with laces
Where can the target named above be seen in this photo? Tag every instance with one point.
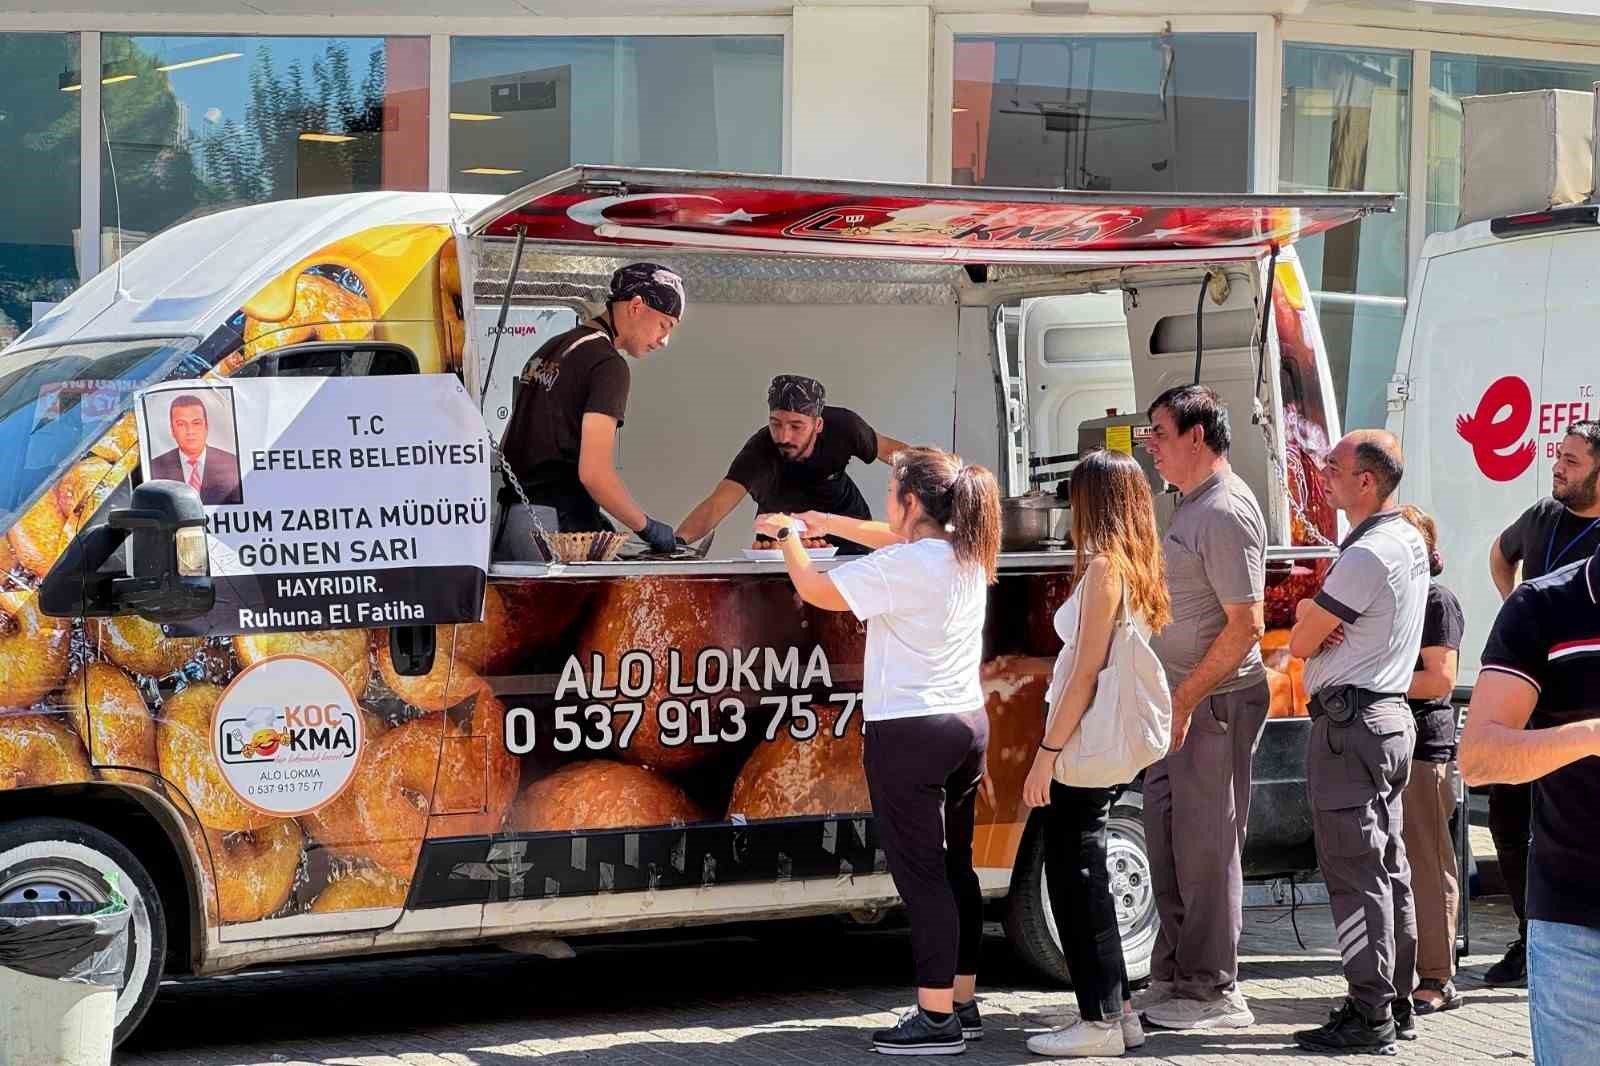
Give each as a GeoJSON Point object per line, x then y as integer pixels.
{"type": "Point", "coordinates": [1181, 1012]}
{"type": "Point", "coordinates": [1155, 992]}
{"type": "Point", "coordinates": [1082, 1040]}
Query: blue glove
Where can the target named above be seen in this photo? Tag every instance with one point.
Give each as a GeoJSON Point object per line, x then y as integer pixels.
{"type": "Point", "coordinates": [659, 536]}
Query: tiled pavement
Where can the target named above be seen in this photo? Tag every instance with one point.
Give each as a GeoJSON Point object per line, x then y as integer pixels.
{"type": "Point", "coordinates": [806, 992]}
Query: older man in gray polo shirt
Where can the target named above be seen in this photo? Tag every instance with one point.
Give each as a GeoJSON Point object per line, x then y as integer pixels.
{"type": "Point", "coordinates": [1360, 638]}
{"type": "Point", "coordinates": [1197, 799]}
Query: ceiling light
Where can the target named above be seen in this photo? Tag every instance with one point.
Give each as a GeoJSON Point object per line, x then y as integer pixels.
{"type": "Point", "coordinates": [202, 61]}
{"type": "Point", "coordinates": [327, 138]}
{"type": "Point", "coordinates": [469, 116]}
{"type": "Point", "coordinates": [71, 81]}
{"type": "Point", "coordinates": [497, 172]}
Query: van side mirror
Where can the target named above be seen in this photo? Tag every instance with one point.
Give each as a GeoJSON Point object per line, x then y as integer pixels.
{"type": "Point", "coordinates": [168, 560]}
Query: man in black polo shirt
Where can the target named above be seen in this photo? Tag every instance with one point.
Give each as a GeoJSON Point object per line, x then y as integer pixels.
{"type": "Point", "coordinates": [797, 463]}
{"type": "Point", "coordinates": [1560, 528]}
{"type": "Point", "coordinates": [1535, 717]}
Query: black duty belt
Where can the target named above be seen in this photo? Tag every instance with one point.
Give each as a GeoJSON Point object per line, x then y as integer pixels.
{"type": "Point", "coordinates": [1342, 703]}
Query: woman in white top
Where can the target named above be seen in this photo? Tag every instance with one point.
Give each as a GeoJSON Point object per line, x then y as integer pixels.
{"type": "Point", "coordinates": [1114, 531]}
{"type": "Point", "coordinates": [923, 595]}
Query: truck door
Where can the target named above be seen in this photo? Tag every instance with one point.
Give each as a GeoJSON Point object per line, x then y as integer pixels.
{"type": "Point", "coordinates": [331, 866]}
{"type": "Point", "coordinates": [1075, 351]}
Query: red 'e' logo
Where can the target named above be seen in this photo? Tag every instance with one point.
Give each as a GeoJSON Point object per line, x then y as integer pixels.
{"type": "Point", "coordinates": [1501, 420]}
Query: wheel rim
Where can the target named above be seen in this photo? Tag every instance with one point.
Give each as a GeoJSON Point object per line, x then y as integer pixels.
{"type": "Point", "coordinates": [53, 885]}
{"type": "Point", "coordinates": [1131, 890]}
{"type": "Point", "coordinates": [51, 879]}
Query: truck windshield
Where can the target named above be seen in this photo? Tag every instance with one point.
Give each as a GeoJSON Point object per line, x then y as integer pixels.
{"type": "Point", "coordinates": [54, 402]}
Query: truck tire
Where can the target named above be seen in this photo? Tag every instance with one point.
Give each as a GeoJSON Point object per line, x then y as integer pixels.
{"type": "Point", "coordinates": [53, 858]}
{"type": "Point", "coordinates": [1030, 925]}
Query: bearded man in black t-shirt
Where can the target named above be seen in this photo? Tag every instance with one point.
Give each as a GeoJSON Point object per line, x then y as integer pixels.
{"type": "Point", "coordinates": [1555, 532]}
{"type": "Point", "coordinates": [798, 462]}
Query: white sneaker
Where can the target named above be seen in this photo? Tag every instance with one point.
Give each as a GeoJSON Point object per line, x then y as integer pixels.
{"type": "Point", "coordinates": [1180, 1012]}
{"type": "Point", "coordinates": [1132, 1031]}
{"type": "Point", "coordinates": [1155, 992]}
{"type": "Point", "coordinates": [1083, 1040]}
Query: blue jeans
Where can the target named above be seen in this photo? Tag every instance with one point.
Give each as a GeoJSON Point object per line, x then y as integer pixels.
{"type": "Point", "coordinates": [1563, 981]}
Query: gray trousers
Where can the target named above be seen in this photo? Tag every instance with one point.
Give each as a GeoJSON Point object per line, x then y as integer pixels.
{"type": "Point", "coordinates": [1196, 809]}
{"type": "Point", "coordinates": [1356, 774]}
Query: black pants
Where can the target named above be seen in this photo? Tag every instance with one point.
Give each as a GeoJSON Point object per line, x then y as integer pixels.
{"type": "Point", "coordinates": [923, 775]}
{"type": "Point", "coordinates": [1080, 897]}
{"type": "Point", "coordinates": [1511, 825]}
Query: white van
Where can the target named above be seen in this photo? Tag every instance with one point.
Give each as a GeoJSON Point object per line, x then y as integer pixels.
{"type": "Point", "coordinates": [1496, 360]}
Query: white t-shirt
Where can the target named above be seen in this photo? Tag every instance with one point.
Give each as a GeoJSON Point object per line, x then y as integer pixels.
{"type": "Point", "coordinates": [924, 614]}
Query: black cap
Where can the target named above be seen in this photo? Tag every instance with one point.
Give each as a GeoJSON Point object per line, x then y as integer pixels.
{"type": "Point", "coordinates": [657, 286]}
{"type": "Point", "coordinates": [797, 394]}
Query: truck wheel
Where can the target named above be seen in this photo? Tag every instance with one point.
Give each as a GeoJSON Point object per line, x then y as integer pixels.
{"type": "Point", "coordinates": [56, 859]}
{"type": "Point", "coordinates": [1030, 924]}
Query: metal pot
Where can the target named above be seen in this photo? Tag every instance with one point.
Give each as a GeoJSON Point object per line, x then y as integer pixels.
{"type": "Point", "coordinates": [1026, 521]}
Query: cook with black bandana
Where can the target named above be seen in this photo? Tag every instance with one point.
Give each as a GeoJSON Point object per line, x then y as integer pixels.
{"type": "Point", "coordinates": [797, 464]}
{"type": "Point", "coordinates": [571, 398]}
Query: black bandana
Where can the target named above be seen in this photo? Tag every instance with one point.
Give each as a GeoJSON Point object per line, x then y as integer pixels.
{"type": "Point", "coordinates": [657, 286]}
{"type": "Point", "coordinates": [799, 395]}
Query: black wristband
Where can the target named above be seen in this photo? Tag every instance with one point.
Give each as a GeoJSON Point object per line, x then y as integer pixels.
{"type": "Point", "coordinates": [1046, 747]}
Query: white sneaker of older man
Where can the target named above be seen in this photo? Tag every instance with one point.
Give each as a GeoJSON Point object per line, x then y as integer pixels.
{"type": "Point", "coordinates": [1082, 1039]}
{"type": "Point", "coordinates": [1181, 1012]}
{"type": "Point", "coordinates": [1153, 993]}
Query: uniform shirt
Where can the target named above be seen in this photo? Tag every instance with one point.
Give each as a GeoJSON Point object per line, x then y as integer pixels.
{"type": "Point", "coordinates": [1443, 623]}
{"type": "Point", "coordinates": [572, 374]}
{"type": "Point", "coordinates": [816, 483]}
{"type": "Point", "coordinates": [924, 613]}
{"type": "Point", "coordinates": [1216, 554]}
{"type": "Point", "coordinates": [1548, 531]}
{"type": "Point", "coordinates": [1548, 634]}
{"type": "Point", "coordinates": [1378, 589]}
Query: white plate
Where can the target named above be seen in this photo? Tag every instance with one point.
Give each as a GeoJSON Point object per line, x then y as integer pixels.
{"type": "Point", "coordinates": [775, 555]}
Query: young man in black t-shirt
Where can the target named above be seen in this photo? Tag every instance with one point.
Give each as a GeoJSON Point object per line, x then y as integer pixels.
{"type": "Point", "coordinates": [798, 462]}
{"type": "Point", "coordinates": [571, 399]}
{"type": "Point", "coordinates": [1552, 533]}
{"type": "Point", "coordinates": [1535, 718]}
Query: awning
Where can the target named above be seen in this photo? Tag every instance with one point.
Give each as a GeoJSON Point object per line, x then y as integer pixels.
{"type": "Point", "coordinates": [616, 206]}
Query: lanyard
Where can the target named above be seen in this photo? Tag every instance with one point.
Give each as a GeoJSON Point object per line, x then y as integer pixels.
{"type": "Point", "coordinates": [1550, 545]}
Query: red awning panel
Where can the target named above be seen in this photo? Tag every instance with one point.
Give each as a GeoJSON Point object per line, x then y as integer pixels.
{"type": "Point", "coordinates": [749, 213]}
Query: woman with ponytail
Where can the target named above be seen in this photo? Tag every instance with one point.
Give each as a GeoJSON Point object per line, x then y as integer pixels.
{"type": "Point", "coordinates": [1119, 568]}
{"type": "Point", "coordinates": [923, 594]}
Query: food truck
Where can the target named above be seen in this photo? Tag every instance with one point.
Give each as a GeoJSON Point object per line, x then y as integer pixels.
{"type": "Point", "coordinates": [219, 700]}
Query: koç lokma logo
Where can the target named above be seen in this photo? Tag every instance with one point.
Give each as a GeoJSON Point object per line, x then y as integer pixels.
{"type": "Point", "coordinates": [287, 735]}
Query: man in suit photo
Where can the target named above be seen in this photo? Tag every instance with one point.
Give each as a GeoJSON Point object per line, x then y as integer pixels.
{"type": "Point", "coordinates": [212, 472]}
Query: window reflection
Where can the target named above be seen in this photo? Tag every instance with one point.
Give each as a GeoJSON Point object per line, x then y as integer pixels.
{"type": "Point", "coordinates": [523, 107]}
{"type": "Point", "coordinates": [39, 123]}
{"type": "Point", "coordinates": [1132, 113]}
{"type": "Point", "coordinates": [200, 124]}
{"type": "Point", "coordinates": [1346, 127]}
